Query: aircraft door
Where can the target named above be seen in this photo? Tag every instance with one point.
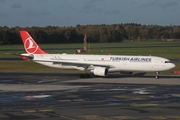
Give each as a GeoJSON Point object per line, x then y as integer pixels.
{"type": "Point", "coordinates": [155, 64]}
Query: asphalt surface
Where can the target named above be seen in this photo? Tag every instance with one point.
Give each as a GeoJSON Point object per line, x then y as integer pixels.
{"type": "Point", "coordinates": [45, 96]}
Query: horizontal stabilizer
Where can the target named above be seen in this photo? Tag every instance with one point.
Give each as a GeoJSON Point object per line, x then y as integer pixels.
{"type": "Point", "coordinates": [27, 57]}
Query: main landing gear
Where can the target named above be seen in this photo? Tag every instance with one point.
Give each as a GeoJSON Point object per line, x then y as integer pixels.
{"type": "Point", "coordinates": [86, 75]}
{"type": "Point", "coordinates": [157, 75]}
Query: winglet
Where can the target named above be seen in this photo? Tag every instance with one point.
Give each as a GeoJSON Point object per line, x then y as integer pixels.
{"type": "Point", "coordinates": [30, 45]}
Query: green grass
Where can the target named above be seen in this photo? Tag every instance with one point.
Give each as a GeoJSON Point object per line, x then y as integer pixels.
{"type": "Point", "coordinates": [14, 51]}
{"type": "Point", "coordinates": [80, 45]}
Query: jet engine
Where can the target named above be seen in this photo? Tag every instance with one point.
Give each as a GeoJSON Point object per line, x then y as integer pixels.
{"type": "Point", "coordinates": [100, 71]}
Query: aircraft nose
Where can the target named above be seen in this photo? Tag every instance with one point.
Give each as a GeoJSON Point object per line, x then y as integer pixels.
{"type": "Point", "coordinates": [172, 65]}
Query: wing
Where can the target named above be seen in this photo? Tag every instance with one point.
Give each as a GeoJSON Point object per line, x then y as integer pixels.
{"type": "Point", "coordinates": [78, 64]}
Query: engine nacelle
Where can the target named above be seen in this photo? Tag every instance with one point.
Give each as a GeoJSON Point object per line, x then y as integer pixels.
{"type": "Point", "coordinates": [100, 71]}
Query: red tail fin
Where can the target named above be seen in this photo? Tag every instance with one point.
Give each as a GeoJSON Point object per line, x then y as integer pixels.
{"type": "Point", "coordinates": [30, 45]}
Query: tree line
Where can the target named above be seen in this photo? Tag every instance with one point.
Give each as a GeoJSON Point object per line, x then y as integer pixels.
{"type": "Point", "coordinates": [95, 33]}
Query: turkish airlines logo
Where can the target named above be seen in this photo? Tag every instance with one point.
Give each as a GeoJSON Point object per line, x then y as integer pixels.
{"type": "Point", "coordinates": [30, 46]}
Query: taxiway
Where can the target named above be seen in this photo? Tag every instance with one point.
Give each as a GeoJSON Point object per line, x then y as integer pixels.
{"type": "Point", "coordinates": [66, 97]}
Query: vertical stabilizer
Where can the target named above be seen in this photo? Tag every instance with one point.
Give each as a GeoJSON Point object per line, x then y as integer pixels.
{"type": "Point", "coordinates": [30, 45]}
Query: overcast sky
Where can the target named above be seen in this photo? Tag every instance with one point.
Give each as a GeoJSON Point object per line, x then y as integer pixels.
{"type": "Point", "coordinates": [27, 13]}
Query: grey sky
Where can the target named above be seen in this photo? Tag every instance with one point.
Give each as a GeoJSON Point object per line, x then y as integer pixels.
{"type": "Point", "coordinates": [61, 13]}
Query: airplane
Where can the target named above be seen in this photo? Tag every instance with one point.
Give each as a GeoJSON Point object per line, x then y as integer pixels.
{"type": "Point", "coordinates": [99, 65]}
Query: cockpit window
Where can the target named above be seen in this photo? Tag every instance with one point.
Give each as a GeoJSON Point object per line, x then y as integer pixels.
{"type": "Point", "coordinates": [167, 61]}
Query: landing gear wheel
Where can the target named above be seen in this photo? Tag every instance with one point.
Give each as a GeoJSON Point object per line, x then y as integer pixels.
{"type": "Point", "coordinates": [87, 75]}
{"type": "Point", "coordinates": [157, 77]}
{"type": "Point", "coordinates": [81, 75]}
{"type": "Point", "coordinates": [84, 75]}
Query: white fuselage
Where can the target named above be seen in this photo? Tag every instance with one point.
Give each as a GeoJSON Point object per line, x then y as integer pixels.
{"type": "Point", "coordinates": [116, 62]}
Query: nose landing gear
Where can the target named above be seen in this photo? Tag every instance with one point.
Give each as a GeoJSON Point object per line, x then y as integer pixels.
{"type": "Point", "coordinates": [157, 75]}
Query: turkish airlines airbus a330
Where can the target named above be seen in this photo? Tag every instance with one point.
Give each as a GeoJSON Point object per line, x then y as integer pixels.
{"type": "Point", "coordinates": [99, 65]}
